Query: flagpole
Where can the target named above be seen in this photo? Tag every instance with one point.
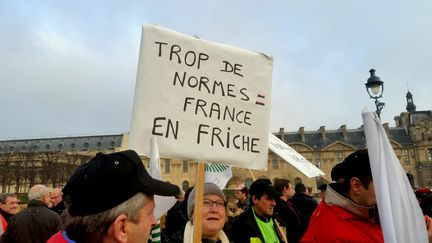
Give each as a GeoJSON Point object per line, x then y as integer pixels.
{"type": "Point", "coordinates": [199, 195]}
{"type": "Point", "coordinates": [251, 173]}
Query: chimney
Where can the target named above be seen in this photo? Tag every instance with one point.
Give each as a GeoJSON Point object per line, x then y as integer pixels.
{"type": "Point", "coordinates": [344, 132]}
{"type": "Point", "coordinates": [323, 133]}
{"type": "Point", "coordinates": [397, 120]}
{"type": "Point", "coordinates": [282, 134]}
{"type": "Point", "coordinates": [386, 128]}
{"type": "Point", "coordinates": [302, 134]}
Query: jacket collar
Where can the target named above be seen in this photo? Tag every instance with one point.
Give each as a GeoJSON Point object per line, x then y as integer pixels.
{"type": "Point", "coordinates": [35, 203]}
{"type": "Point", "coordinates": [335, 198]}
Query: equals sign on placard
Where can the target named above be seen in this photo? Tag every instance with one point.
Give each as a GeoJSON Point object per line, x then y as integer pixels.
{"type": "Point", "coordinates": [260, 99]}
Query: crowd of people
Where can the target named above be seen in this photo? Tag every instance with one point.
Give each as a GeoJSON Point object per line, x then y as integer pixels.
{"type": "Point", "coordinates": [111, 199]}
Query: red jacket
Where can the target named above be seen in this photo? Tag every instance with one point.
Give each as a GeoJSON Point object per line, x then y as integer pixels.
{"type": "Point", "coordinates": [3, 224]}
{"type": "Point", "coordinates": [60, 237]}
{"type": "Point", "coordinates": [334, 223]}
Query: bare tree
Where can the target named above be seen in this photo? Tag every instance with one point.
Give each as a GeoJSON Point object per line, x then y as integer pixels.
{"type": "Point", "coordinates": [29, 166]}
{"type": "Point", "coordinates": [18, 168]}
{"type": "Point", "coordinates": [48, 162]}
{"type": "Point", "coordinates": [5, 165]}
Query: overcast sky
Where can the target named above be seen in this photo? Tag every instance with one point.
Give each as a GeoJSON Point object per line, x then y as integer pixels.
{"type": "Point", "coordinates": [68, 68]}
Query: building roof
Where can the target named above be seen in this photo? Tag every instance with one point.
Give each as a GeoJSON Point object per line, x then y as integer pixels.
{"type": "Point", "coordinates": [65, 144]}
{"type": "Point", "coordinates": [320, 139]}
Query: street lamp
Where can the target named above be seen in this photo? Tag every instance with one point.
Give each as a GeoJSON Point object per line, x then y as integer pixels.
{"type": "Point", "coordinates": [375, 89]}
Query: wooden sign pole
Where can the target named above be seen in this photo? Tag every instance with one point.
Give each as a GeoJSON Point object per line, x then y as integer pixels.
{"type": "Point", "coordinates": [250, 172]}
{"type": "Point", "coordinates": [199, 195]}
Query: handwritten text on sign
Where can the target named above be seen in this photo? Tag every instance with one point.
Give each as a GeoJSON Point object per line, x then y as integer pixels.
{"type": "Point", "coordinates": [204, 101]}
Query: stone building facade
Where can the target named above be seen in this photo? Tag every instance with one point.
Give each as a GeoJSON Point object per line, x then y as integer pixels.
{"type": "Point", "coordinates": [50, 161]}
{"type": "Point", "coordinates": [418, 125]}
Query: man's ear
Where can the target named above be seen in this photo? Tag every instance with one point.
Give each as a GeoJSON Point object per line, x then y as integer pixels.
{"type": "Point", "coordinates": [254, 199]}
{"type": "Point", "coordinates": [356, 185]}
{"type": "Point", "coordinates": [118, 229]}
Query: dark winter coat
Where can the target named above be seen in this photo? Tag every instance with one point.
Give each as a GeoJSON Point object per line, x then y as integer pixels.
{"type": "Point", "coordinates": [37, 223]}
{"type": "Point", "coordinates": [292, 220]}
{"type": "Point", "coordinates": [246, 227]}
{"type": "Point", "coordinates": [306, 205]}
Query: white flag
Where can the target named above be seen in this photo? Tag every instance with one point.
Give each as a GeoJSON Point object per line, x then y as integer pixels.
{"type": "Point", "coordinates": [162, 203]}
{"type": "Point", "coordinates": [291, 156]}
{"type": "Point", "coordinates": [217, 174]}
{"type": "Point", "coordinates": [401, 217]}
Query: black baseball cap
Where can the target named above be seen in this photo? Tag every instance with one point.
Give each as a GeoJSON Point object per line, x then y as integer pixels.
{"type": "Point", "coordinates": [356, 165]}
{"type": "Point", "coordinates": [108, 180]}
{"type": "Point", "coordinates": [337, 172]}
{"type": "Point", "coordinates": [261, 186]}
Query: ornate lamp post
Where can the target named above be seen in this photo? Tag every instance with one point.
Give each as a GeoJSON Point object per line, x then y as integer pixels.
{"type": "Point", "coordinates": [375, 89]}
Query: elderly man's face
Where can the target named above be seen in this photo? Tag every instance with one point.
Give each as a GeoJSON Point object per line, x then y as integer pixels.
{"type": "Point", "coordinates": [10, 205]}
{"type": "Point", "coordinates": [56, 196]}
{"type": "Point", "coordinates": [139, 232]}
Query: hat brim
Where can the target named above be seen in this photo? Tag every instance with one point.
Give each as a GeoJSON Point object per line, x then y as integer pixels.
{"type": "Point", "coordinates": [161, 188]}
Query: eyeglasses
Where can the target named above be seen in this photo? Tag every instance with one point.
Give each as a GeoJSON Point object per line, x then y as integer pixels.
{"type": "Point", "coordinates": [209, 203]}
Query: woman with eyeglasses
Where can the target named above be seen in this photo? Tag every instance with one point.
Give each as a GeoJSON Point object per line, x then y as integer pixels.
{"type": "Point", "coordinates": [214, 216]}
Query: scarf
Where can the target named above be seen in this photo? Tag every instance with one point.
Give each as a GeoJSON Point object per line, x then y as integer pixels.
{"type": "Point", "coordinates": [189, 234]}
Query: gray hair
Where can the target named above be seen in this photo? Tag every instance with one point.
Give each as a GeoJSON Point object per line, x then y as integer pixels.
{"type": "Point", "coordinates": [38, 192]}
{"type": "Point", "coordinates": [4, 196]}
{"type": "Point", "coordinates": [92, 228]}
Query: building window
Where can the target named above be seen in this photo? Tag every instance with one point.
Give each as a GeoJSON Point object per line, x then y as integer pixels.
{"type": "Point", "coordinates": [11, 148]}
{"type": "Point", "coordinates": [73, 146]}
{"type": "Point", "coordinates": [60, 147]}
{"type": "Point", "coordinates": [35, 147]}
{"type": "Point", "coordinates": [167, 166]}
{"type": "Point", "coordinates": [275, 162]}
{"type": "Point", "coordinates": [86, 146]}
{"type": "Point", "coordinates": [406, 156]}
{"type": "Point", "coordinates": [429, 155]}
{"type": "Point", "coordinates": [99, 144]}
{"type": "Point", "coordinates": [185, 185]}
{"type": "Point", "coordinates": [48, 147]}
{"type": "Point", "coordinates": [317, 159]}
{"type": "Point", "coordinates": [185, 166]}
{"type": "Point", "coordinates": [339, 156]}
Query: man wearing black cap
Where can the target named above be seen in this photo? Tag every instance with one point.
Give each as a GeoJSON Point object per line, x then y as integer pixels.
{"type": "Point", "coordinates": [349, 213]}
{"type": "Point", "coordinates": [257, 224]}
{"type": "Point", "coordinates": [110, 199]}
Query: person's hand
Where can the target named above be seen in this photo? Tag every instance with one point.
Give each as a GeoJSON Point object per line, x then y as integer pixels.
{"type": "Point", "coordinates": [429, 227]}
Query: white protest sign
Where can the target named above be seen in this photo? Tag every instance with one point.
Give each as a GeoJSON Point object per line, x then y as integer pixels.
{"type": "Point", "coordinates": [293, 157]}
{"type": "Point", "coordinates": [204, 101]}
